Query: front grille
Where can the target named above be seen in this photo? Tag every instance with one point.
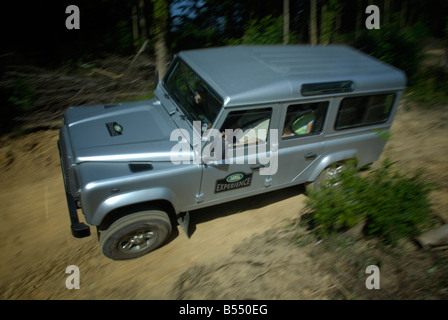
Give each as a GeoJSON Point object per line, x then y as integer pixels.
{"type": "Point", "coordinates": [64, 164]}
{"type": "Point", "coordinates": [67, 179]}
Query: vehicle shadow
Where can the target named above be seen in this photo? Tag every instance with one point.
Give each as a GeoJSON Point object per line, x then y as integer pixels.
{"type": "Point", "coordinates": [234, 207]}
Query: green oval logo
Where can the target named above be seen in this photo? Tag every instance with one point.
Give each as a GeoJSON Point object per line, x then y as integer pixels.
{"type": "Point", "coordinates": [118, 128]}
{"type": "Point", "coordinates": [235, 177]}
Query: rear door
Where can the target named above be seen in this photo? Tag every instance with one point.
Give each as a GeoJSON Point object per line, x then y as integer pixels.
{"type": "Point", "coordinates": [300, 141]}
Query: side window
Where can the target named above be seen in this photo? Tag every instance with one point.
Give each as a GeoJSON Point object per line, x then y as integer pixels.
{"type": "Point", "coordinates": [365, 110]}
{"type": "Point", "coordinates": [247, 126]}
{"type": "Point", "coordinates": [304, 119]}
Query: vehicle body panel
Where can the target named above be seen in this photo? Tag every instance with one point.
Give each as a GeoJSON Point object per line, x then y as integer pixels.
{"type": "Point", "coordinates": [117, 155]}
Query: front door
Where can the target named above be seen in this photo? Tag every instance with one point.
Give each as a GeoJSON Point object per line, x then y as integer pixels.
{"type": "Point", "coordinates": [247, 163]}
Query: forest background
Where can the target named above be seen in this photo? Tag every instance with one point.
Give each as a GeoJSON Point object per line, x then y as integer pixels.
{"type": "Point", "coordinates": [34, 33]}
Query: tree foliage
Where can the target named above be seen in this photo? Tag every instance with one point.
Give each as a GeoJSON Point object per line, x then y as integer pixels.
{"type": "Point", "coordinates": [394, 205]}
{"type": "Point", "coordinates": [35, 32]}
{"type": "Point", "coordinates": [402, 48]}
{"type": "Point", "coordinates": [268, 30]}
{"type": "Point", "coordinates": [404, 26]}
{"type": "Point", "coordinates": [108, 25]}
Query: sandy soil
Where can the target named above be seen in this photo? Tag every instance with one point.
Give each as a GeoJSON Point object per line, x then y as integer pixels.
{"type": "Point", "coordinates": [241, 250]}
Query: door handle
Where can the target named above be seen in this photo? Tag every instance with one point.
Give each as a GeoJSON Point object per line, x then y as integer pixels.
{"type": "Point", "coordinates": [257, 166]}
{"type": "Point", "coordinates": [311, 155]}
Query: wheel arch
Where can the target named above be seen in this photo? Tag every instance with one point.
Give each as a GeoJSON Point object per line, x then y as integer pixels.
{"type": "Point", "coordinates": [161, 204]}
{"type": "Point", "coordinates": [337, 157]}
{"type": "Point", "coordinates": [121, 205]}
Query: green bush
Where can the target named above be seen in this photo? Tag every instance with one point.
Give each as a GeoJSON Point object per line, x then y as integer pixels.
{"type": "Point", "coordinates": [430, 87]}
{"type": "Point", "coordinates": [124, 36]}
{"type": "Point", "coordinates": [268, 30]}
{"type": "Point", "coordinates": [402, 48]}
{"type": "Point", "coordinates": [393, 205]}
{"type": "Point", "coordinates": [23, 96]}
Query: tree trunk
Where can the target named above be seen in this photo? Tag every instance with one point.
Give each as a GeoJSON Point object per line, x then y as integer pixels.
{"type": "Point", "coordinates": [142, 20]}
{"type": "Point", "coordinates": [330, 20]}
{"type": "Point", "coordinates": [325, 25]}
{"type": "Point", "coordinates": [337, 21]}
{"type": "Point", "coordinates": [160, 13]}
{"type": "Point", "coordinates": [359, 14]}
{"type": "Point", "coordinates": [161, 55]}
{"type": "Point", "coordinates": [285, 22]}
{"type": "Point", "coordinates": [387, 11]}
{"type": "Point", "coordinates": [403, 13]}
{"type": "Point", "coordinates": [313, 23]}
{"type": "Point", "coordinates": [135, 33]}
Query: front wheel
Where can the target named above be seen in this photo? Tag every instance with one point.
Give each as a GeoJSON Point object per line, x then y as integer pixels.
{"type": "Point", "coordinates": [135, 235]}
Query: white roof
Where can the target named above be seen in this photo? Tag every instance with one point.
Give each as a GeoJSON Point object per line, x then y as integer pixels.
{"type": "Point", "coordinates": [258, 74]}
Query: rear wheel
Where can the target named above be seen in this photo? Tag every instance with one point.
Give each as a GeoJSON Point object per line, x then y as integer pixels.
{"type": "Point", "coordinates": [326, 176]}
{"type": "Point", "coordinates": [135, 235]}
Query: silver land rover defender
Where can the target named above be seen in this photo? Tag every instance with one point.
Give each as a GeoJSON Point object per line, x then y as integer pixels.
{"type": "Point", "coordinates": [225, 123]}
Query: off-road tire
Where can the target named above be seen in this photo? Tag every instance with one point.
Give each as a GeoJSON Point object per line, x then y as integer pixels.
{"type": "Point", "coordinates": [327, 174]}
{"type": "Point", "coordinates": [135, 235]}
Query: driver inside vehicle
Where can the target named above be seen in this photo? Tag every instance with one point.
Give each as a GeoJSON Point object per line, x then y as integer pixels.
{"type": "Point", "coordinates": [201, 106]}
{"type": "Point", "coordinates": [247, 126]}
{"type": "Point", "coordinates": [197, 97]}
{"type": "Point", "coordinates": [299, 122]}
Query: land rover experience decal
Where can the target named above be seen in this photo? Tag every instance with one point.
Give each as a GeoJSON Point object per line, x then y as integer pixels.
{"type": "Point", "coordinates": [233, 181]}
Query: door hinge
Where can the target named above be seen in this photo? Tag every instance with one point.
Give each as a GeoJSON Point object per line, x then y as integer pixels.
{"type": "Point", "coordinates": [199, 197]}
{"type": "Point", "coordinates": [267, 182]}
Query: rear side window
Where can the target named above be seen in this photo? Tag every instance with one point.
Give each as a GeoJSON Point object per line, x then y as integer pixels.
{"type": "Point", "coordinates": [364, 110]}
{"type": "Point", "coordinates": [304, 119]}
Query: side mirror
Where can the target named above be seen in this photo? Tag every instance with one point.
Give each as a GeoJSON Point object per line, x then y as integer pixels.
{"type": "Point", "coordinates": [156, 79]}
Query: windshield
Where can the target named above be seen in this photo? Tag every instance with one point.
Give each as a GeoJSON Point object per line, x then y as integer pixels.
{"type": "Point", "coordinates": [192, 94]}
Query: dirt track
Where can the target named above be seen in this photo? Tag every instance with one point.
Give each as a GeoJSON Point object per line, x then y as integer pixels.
{"type": "Point", "coordinates": [37, 244]}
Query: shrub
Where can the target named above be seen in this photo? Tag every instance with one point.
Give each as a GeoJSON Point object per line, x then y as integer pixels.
{"type": "Point", "coordinates": [24, 95]}
{"type": "Point", "coordinates": [402, 48]}
{"type": "Point", "coordinates": [430, 87]}
{"type": "Point", "coordinates": [268, 30]}
{"type": "Point", "coordinates": [15, 102]}
{"type": "Point", "coordinates": [392, 204]}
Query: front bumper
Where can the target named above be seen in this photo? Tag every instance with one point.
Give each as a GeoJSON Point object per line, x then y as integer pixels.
{"type": "Point", "coordinates": [79, 229]}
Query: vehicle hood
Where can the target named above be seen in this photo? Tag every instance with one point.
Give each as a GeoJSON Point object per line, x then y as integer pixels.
{"type": "Point", "coordinates": [144, 136]}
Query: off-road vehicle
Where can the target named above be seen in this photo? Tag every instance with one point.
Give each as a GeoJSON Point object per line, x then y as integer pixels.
{"type": "Point", "coordinates": [226, 123]}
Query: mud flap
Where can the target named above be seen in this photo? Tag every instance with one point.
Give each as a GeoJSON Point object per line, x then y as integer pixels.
{"type": "Point", "coordinates": [184, 222]}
